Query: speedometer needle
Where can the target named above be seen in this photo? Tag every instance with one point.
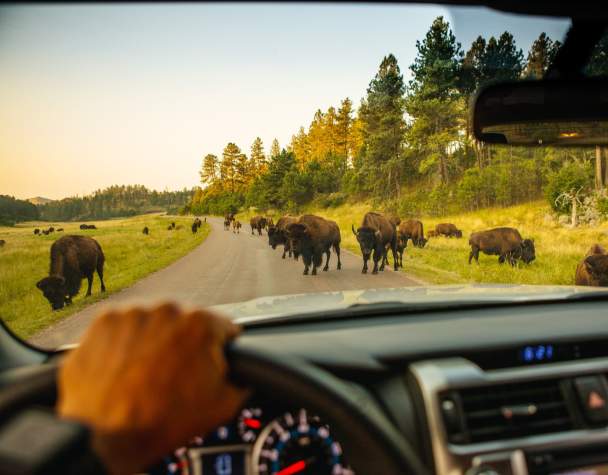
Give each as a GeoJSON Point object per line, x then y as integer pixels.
{"type": "Point", "coordinates": [293, 468]}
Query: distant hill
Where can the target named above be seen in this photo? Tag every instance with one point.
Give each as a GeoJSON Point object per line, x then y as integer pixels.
{"type": "Point", "coordinates": [39, 200]}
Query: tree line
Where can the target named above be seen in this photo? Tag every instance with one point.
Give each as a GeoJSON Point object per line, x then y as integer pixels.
{"type": "Point", "coordinates": [13, 210]}
{"type": "Point", "coordinates": [114, 201]}
{"type": "Point", "coordinates": [407, 146]}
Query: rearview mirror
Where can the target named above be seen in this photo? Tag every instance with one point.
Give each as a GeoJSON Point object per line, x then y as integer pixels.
{"type": "Point", "coordinates": [548, 112]}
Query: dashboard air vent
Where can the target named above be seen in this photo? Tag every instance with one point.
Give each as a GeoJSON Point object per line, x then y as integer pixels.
{"type": "Point", "coordinates": [507, 411]}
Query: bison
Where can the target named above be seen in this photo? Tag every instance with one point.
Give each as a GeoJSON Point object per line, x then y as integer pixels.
{"type": "Point", "coordinates": [45, 232]}
{"type": "Point", "coordinates": [72, 258]}
{"type": "Point", "coordinates": [506, 243]}
{"type": "Point", "coordinates": [36, 231]}
{"type": "Point", "coordinates": [278, 235]}
{"type": "Point", "coordinates": [375, 235]}
{"type": "Point", "coordinates": [448, 230]}
{"type": "Point", "coordinates": [593, 269]}
{"type": "Point", "coordinates": [2, 242]}
{"type": "Point", "coordinates": [59, 230]}
{"type": "Point", "coordinates": [194, 227]}
{"type": "Point", "coordinates": [431, 233]}
{"type": "Point", "coordinates": [236, 226]}
{"type": "Point", "coordinates": [257, 223]}
{"type": "Point", "coordinates": [88, 226]}
{"type": "Point", "coordinates": [313, 236]}
{"type": "Point", "coordinates": [227, 224]}
{"type": "Point", "coordinates": [410, 229]}
{"type": "Point", "coordinates": [395, 220]}
{"type": "Point", "coordinates": [145, 231]}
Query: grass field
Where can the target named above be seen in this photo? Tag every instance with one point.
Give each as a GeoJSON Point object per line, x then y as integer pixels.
{"type": "Point", "coordinates": [129, 256]}
{"type": "Point", "coordinates": [444, 261]}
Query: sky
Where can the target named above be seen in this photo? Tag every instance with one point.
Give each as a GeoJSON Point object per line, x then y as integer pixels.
{"type": "Point", "coordinates": [96, 95]}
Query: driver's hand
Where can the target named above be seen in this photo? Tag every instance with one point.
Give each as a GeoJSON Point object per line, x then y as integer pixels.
{"type": "Point", "coordinates": [146, 381]}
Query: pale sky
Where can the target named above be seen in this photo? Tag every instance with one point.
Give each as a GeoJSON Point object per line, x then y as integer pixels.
{"type": "Point", "coordinates": [95, 95]}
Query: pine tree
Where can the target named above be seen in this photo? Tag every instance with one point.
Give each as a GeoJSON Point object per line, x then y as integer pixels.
{"type": "Point", "coordinates": [382, 115]}
{"type": "Point", "coordinates": [502, 60]}
{"type": "Point", "coordinates": [258, 159]}
{"type": "Point", "coordinates": [209, 169]}
{"type": "Point", "coordinates": [435, 69]}
{"type": "Point", "coordinates": [344, 122]}
{"type": "Point", "coordinates": [243, 170]}
{"type": "Point", "coordinates": [275, 149]}
{"type": "Point", "coordinates": [228, 167]}
{"type": "Point", "coordinates": [470, 69]}
{"type": "Point", "coordinates": [300, 146]}
{"type": "Point", "coordinates": [540, 56]}
{"type": "Point", "coordinates": [434, 102]}
{"type": "Point", "coordinates": [598, 63]}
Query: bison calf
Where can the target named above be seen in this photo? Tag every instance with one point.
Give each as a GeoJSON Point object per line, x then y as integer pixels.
{"type": "Point", "coordinates": [72, 258]}
{"type": "Point", "coordinates": [506, 243]}
{"type": "Point", "coordinates": [448, 230]}
{"type": "Point", "coordinates": [593, 269]}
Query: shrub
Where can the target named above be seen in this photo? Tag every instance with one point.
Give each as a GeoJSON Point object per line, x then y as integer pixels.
{"type": "Point", "coordinates": [573, 176]}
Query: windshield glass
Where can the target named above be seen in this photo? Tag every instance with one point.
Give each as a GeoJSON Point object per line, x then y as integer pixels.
{"type": "Point", "coordinates": [214, 154]}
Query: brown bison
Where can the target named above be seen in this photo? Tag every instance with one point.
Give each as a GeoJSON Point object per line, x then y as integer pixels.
{"type": "Point", "coordinates": [277, 234]}
{"type": "Point", "coordinates": [506, 243]}
{"type": "Point", "coordinates": [375, 235]}
{"type": "Point", "coordinates": [593, 269]}
{"type": "Point", "coordinates": [194, 227]}
{"type": "Point", "coordinates": [410, 229]}
{"type": "Point", "coordinates": [313, 236]}
{"type": "Point", "coordinates": [395, 220]}
{"type": "Point", "coordinates": [72, 258]}
{"type": "Point", "coordinates": [448, 230]}
{"type": "Point", "coordinates": [146, 230]}
{"type": "Point", "coordinates": [87, 226]}
{"type": "Point", "coordinates": [36, 231]}
{"type": "Point", "coordinates": [2, 242]}
{"type": "Point", "coordinates": [236, 226]}
{"type": "Point", "coordinates": [257, 223]}
{"type": "Point", "coordinates": [59, 230]}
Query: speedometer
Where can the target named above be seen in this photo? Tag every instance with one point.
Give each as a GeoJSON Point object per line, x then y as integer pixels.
{"type": "Point", "coordinates": [298, 444]}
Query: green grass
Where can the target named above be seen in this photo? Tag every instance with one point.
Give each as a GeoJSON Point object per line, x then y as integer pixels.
{"type": "Point", "coordinates": [444, 261]}
{"type": "Point", "coordinates": [129, 256]}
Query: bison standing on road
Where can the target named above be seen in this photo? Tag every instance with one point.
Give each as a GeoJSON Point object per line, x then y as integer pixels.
{"type": "Point", "coordinates": [593, 269]}
{"type": "Point", "coordinates": [313, 236]}
{"type": "Point", "coordinates": [236, 226]}
{"type": "Point", "coordinates": [376, 235]}
{"type": "Point", "coordinates": [278, 234]}
{"type": "Point", "coordinates": [506, 243]}
{"type": "Point", "coordinates": [257, 223]}
{"type": "Point", "coordinates": [72, 258]}
{"type": "Point", "coordinates": [448, 230]}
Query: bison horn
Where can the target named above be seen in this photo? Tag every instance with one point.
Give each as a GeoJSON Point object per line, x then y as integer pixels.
{"type": "Point", "coordinates": [353, 228]}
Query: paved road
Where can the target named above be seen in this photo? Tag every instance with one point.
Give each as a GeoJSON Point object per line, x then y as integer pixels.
{"type": "Point", "coordinates": [226, 268]}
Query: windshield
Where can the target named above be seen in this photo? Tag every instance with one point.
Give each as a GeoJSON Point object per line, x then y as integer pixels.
{"type": "Point", "coordinates": [214, 154]}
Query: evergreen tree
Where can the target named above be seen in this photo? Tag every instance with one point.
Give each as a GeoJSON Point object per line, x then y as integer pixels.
{"type": "Point", "coordinates": [300, 146]}
{"type": "Point", "coordinates": [540, 56]}
{"type": "Point", "coordinates": [228, 167]}
{"type": "Point", "coordinates": [435, 69]}
{"type": "Point", "coordinates": [344, 123]}
{"type": "Point", "coordinates": [382, 115]}
{"type": "Point", "coordinates": [275, 149]}
{"type": "Point", "coordinates": [243, 170]}
{"type": "Point", "coordinates": [598, 63]}
{"type": "Point", "coordinates": [209, 170]}
{"type": "Point", "coordinates": [502, 60]}
{"type": "Point", "coordinates": [258, 159]}
{"type": "Point", "coordinates": [470, 69]}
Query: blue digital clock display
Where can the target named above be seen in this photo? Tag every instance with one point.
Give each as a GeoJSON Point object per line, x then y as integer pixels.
{"type": "Point", "coordinates": [537, 353]}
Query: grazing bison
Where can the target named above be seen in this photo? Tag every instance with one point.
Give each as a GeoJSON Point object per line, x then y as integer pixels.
{"type": "Point", "coordinates": [257, 223]}
{"type": "Point", "coordinates": [145, 231]}
{"type": "Point", "coordinates": [59, 230]}
{"type": "Point", "coordinates": [36, 231]}
{"type": "Point", "coordinates": [376, 235]}
{"type": "Point", "coordinates": [88, 226]}
{"type": "Point", "coordinates": [169, 228]}
{"type": "Point", "coordinates": [311, 237]}
{"type": "Point", "coordinates": [593, 269]}
{"type": "Point", "coordinates": [45, 232]}
{"type": "Point", "coordinates": [278, 234]}
{"type": "Point", "coordinates": [506, 243]}
{"type": "Point", "coordinates": [2, 242]}
{"type": "Point", "coordinates": [72, 258]}
{"type": "Point", "coordinates": [448, 230]}
{"type": "Point", "coordinates": [414, 230]}
{"type": "Point", "coordinates": [51, 229]}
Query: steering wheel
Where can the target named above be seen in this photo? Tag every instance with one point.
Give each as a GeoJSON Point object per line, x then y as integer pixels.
{"type": "Point", "coordinates": [371, 442]}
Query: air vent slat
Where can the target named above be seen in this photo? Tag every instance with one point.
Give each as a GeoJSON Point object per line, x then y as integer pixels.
{"type": "Point", "coordinates": [513, 410]}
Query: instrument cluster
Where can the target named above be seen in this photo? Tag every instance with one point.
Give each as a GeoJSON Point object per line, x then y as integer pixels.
{"type": "Point", "coordinates": [261, 441]}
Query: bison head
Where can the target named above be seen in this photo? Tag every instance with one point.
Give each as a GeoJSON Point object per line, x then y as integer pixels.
{"type": "Point", "coordinates": [458, 233]}
{"type": "Point", "coordinates": [528, 253]}
{"type": "Point", "coordinates": [422, 242]}
{"type": "Point", "coordinates": [367, 238]}
{"type": "Point", "coordinates": [597, 267]}
{"type": "Point", "coordinates": [274, 237]}
{"type": "Point", "coordinates": [53, 288]}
